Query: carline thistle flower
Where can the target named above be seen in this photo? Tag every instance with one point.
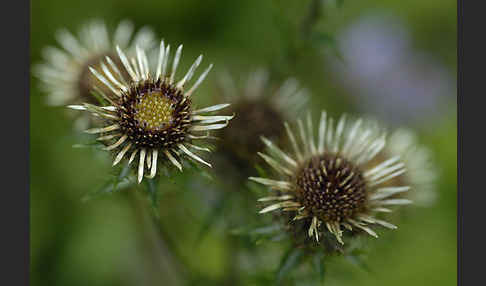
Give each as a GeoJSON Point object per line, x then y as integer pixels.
{"type": "Point", "coordinates": [256, 103]}
{"type": "Point", "coordinates": [152, 113]}
{"type": "Point", "coordinates": [327, 182]}
{"type": "Point", "coordinates": [65, 75]}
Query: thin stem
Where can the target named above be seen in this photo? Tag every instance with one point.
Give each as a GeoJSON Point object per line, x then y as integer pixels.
{"type": "Point", "coordinates": [177, 258]}
{"type": "Point", "coordinates": [313, 15]}
{"type": "Point", "coordinates": [161, 249]}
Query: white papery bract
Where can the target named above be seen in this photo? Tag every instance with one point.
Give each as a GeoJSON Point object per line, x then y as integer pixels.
{"type": "Point", "coordinates": [421, 172]}
{"type": "Point", "coordinates": [64, 73]}
{"type": "Point", "coordinates": [289, 98]}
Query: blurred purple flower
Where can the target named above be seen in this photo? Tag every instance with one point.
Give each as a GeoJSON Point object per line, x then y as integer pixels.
{"type": "Point", "coordinates": [386, 75]}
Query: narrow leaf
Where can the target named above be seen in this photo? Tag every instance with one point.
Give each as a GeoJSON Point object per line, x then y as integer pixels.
{"type": "Point", "coordinates": [318, 265]}
{"type": "Point", "coordinates": [289, 262]}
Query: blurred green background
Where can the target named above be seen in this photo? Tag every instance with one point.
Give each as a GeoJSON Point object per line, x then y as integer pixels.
{"type": "Point", "coordinates": [111, 240]}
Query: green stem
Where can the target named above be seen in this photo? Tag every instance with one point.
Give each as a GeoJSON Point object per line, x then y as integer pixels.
{"type": "Point", "coordinates": [166, 264]}
{"type": "Point", "coordinates": [313, 15]}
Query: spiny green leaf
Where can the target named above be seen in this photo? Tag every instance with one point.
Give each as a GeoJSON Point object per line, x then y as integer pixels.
{"type": "Point", "coordinates": [100, 98]}
{"type": "Point", "coordinates": [265, 230]}
{"type": "Point", "coordinates": [289, 262]}
{"type": "Point", "coordinates": [124, 172]}
{"type": "Point", "coordinates": [111, 186]}
{"type": "Point", "coordinates": [358, 261]}
{"type": "Point", "coordinates": [328, 41]}
{"type": "Point", "coordinates": [214, 215]}
{"type": "Point", "coordinates": [261, 171]}
{"type": "Point", "coordinates": [260, 234]}
{"type": "Point", "coordinates": [324, 39]}
{"type": "Point", "coordinates": [279, 237]}
{"type": "Point", "coordinates": [205, 174]}
{"type": "Point", "coordinates": [91, 144]}
{"type": "Point", "coordinates": [153, 195]}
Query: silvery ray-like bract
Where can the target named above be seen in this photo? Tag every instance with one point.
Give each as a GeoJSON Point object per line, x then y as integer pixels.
{"type": "Point", "coordinates": [289, 98]}
{"type": "Point", "coordinates": [65, 75]}
{"type": "Point", "coordinates": [421, 172]}
{"type": "Point", "coordinates": [151, 114]}
{"type": "Point", "coordinates": [325, 179]}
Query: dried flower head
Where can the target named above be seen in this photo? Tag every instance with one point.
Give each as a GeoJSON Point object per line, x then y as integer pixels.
{"type": "Point", "coordinates": [327, 181]}
{"type": "Point", "coordinates": [64, 75]}
{"type": "Point", "coordinates": [152, 113]}
{"type": "Point", "coordinates": [260, 106]}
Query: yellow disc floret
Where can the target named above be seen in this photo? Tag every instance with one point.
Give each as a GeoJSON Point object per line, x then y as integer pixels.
{"type": "Point", "coordinates": [154, 111]}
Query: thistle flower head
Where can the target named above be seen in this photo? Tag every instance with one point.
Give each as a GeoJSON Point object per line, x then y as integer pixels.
{"type": "Point", "coordinates": [326, 181]}
{"type": "Point", "coordinates": [65, 74]}
{"type": "Point", "coordinates": [260, 110]}
{"type": "Point", "coordinates": [151, 114]}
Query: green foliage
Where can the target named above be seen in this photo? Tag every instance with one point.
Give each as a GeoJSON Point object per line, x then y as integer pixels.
{"type": "Point", "coordinates": [99, 98]}
{"type": "Point", "coordinates": [211, 232]}
{"type": "Point", "coordinates": [357, 259]}
{"type": "Point", "coordinates": [291, 259]}
{"type": "Point", "coordinates": [319, 266]}
{"type": "Point", "coordinates": [153, 193]}
{"type": "Point", "coordinates": [215, 215]}
{"type": "Point", "coordinates": [115, 183]}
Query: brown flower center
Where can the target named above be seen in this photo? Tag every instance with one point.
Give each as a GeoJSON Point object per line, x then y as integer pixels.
{"type": "Point", "coordinates": [331, 188]}
{"type": "Point", "coordinates": [155, 114]}
{"type": "Point", "coordinates": [253, 120]}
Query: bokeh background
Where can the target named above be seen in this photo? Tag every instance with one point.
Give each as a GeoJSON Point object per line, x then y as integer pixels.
{"type": "Point", "coordinates": [392, 59]}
